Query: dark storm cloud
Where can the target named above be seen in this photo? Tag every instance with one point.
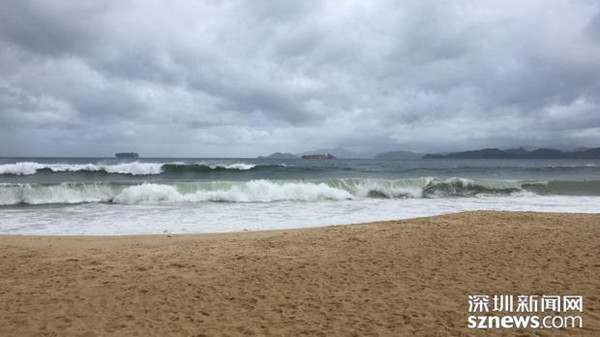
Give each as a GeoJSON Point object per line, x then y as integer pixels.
{"type": "Point", "coordinates": [234, 78]}
{"type": "Point", "coordinates": [50, 27]}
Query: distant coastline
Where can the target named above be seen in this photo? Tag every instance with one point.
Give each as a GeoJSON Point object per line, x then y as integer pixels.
{"type": "Point", "coordinates": [520, 153]}
{"type": "Point", "coordinates": [487, 153]}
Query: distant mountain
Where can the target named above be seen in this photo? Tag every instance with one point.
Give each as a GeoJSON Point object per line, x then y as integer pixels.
{"type": "Point", "coordinates": [520, 153]}
{"type": "Point", "coordinates": [399, 155]}
{"type": "Point", "coordinates": [279, 155]}
{"type": "Point", "coordinates": [340, 152]}
{"type": "Point", "coordinates": [589, 153]}
{"type": "Point", "coordinates": [548, 154]}
{"type": "Point", "coordinates": [476, 154]}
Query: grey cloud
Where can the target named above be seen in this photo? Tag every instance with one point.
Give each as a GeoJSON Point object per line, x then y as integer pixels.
{"type": "Point", "coordinates": [50, 27]}
{"type": "Point", "coordinates": [593, 28]}
{"type": "Point", "coordinates": [246, 78]}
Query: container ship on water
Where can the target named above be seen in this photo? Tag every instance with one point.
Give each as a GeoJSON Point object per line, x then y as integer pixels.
{"type": "Point", "coordinates": [127, 155]}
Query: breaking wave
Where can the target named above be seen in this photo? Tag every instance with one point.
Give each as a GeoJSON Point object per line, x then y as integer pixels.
{"type": "Point", "coordinates": [134, 168]}
{"type": "Point", "coordinates": [281, 190]}
{"type": "Point", "coordinates": [181, 169]}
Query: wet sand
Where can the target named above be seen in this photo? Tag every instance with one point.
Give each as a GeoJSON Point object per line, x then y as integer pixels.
{"type": "Point", "coordinates": [393, 278]}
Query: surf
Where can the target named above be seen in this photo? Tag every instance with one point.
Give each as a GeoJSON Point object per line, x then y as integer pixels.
{"type": "Point", "coordinates": [133, 168]}
{"type": "Point", "coordinates": [264, 190]}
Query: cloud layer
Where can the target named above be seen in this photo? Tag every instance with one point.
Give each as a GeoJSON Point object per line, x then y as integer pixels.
{"type": "Point", "coordinates": [243, 78]}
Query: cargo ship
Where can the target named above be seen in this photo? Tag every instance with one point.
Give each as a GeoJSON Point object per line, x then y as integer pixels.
{"type": "Point", "coordinates": [327, 155]}
{"type": "Point", "coordinates": [126, 155]}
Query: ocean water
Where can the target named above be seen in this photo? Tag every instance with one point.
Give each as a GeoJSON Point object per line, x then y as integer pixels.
{"type": "Point", "coordinates": [95, 196]}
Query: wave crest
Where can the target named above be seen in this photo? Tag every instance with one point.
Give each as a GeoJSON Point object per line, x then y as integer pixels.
{"type": "Point", "coordinates": [279, 190]}
{"type": "Point", "coordinates": [252, 191]}
{"type": "Point", "coordinates": [133, 168]}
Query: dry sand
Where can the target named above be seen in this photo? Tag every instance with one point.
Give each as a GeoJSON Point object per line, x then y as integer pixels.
{"type": "Point", "coordinates": [391, 278]}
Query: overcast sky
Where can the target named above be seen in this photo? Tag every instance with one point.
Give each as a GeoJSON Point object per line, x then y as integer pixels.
{"type": "Point", "coordinates": [245, 78]}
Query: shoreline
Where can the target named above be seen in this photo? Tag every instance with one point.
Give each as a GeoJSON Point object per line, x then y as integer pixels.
{"type": "Point", "coordinates": [243, 232]}
{"type": "Point", "coordinates": [394, 277]}
{"type": "Point", "coordinates": [249, 231]}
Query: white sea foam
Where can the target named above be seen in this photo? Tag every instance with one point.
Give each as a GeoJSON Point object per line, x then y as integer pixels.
{"type": "Point", "coordinates": [29, 168]}
{"type": "Point", "coordinates": [119, 219]}
{"type": "Point", "coordinates": [65, 193]}
{"type": "Point", "coordinates": [252, 191]}
{"type": "Point", "coordinates": [148, 193]}
{"type": "Point", "coordinates": [402, 188]}
{"type": "Point", "coordinates": [234, 166]}
{"type": "Point", "coordinates": [22, 168]}
{"type": "Point", "coordinates": [134, 168]}
{"type": "Point", "coordinates": [238, 166]}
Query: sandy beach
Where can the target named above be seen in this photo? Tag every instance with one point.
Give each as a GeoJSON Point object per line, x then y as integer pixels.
{"type": "Point", "coordinates": [395, 278]}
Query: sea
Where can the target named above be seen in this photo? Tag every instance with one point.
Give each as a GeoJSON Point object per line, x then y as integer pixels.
{"type": "Point", "coordinates": [105, 196]}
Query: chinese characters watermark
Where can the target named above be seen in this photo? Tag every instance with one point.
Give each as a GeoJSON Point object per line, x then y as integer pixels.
{"type": "Point", "coordinates": [527, 311]}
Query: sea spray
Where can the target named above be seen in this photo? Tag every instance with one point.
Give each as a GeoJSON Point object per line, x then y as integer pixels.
{"type": "Point", "coordinates": [263, 190]}
{"type": "Point", "coordinates": [133, 168]}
